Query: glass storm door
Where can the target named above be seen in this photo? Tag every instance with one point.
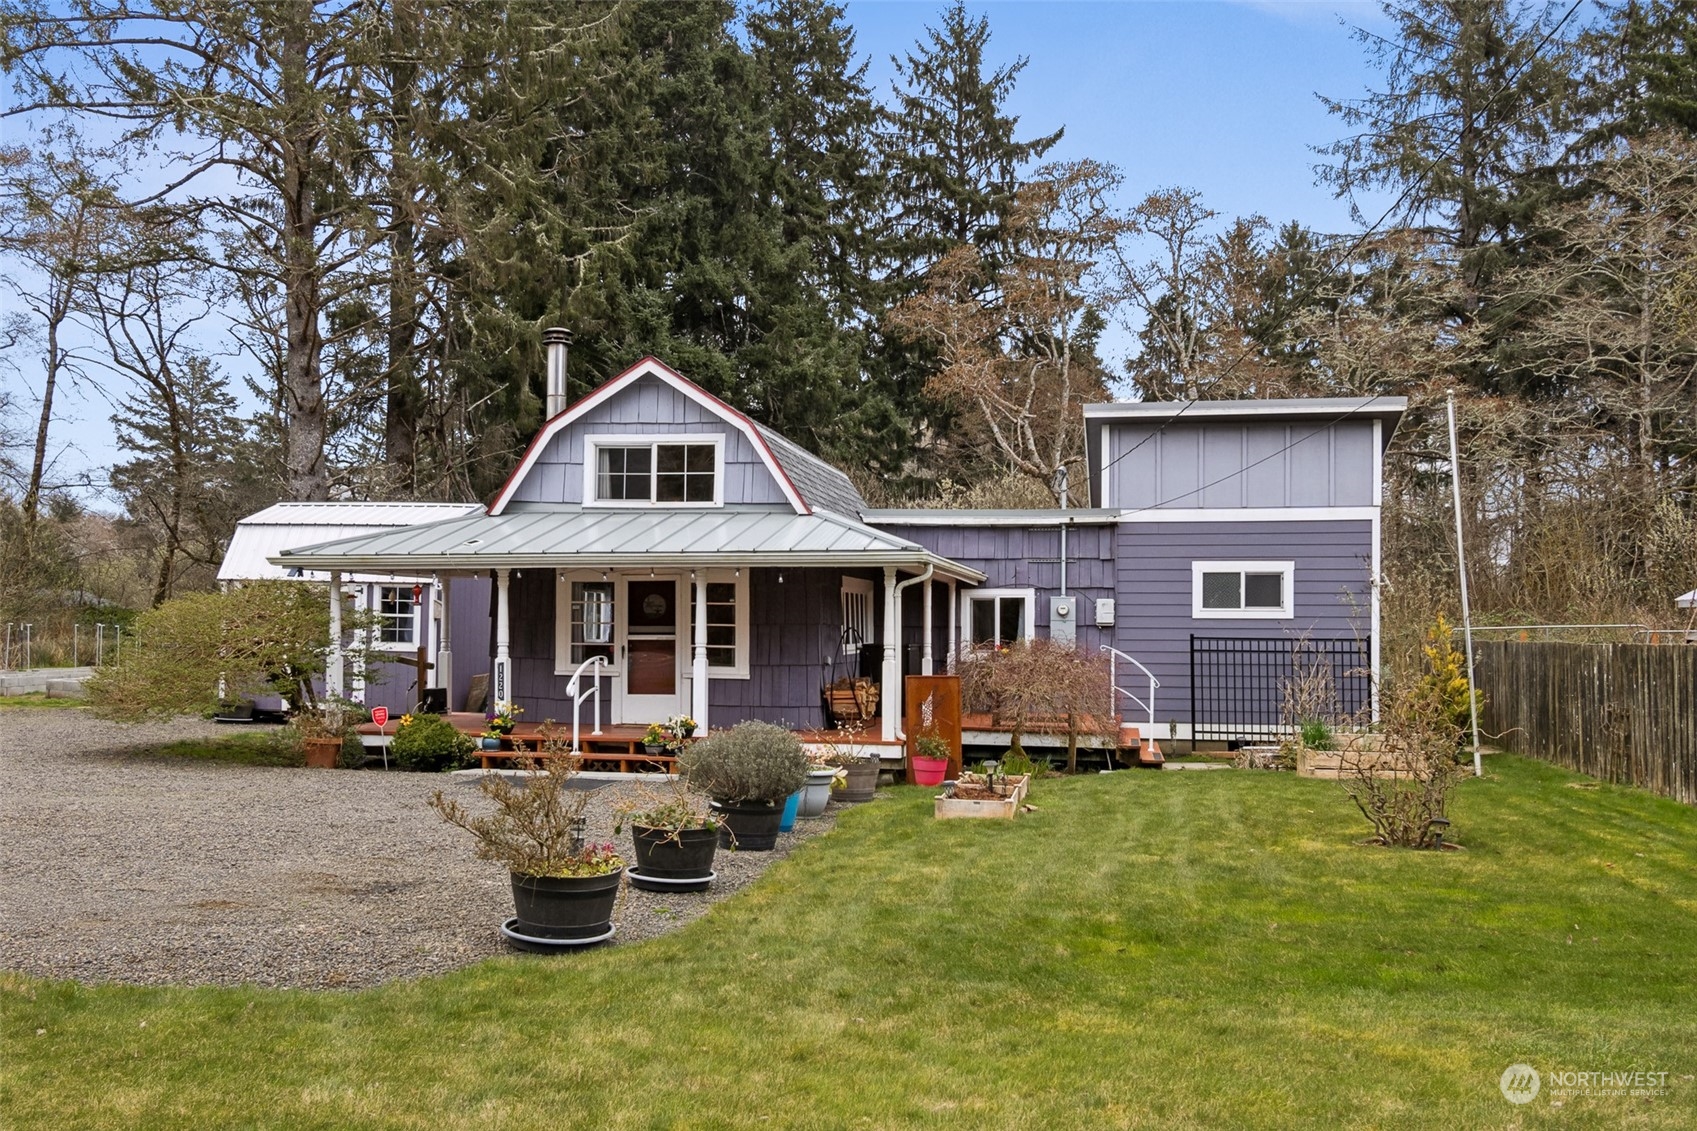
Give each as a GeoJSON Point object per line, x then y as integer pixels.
{"type": "Point", "coordinates": [651, 651]}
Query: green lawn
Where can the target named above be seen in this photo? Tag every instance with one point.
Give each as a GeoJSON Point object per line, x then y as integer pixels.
{"type": "Point", "coordinates": [38, 699]}
{"type": "Point", "coordinates": [1144, 950]}
{"type": "Point", "coordinates": [242, 748]}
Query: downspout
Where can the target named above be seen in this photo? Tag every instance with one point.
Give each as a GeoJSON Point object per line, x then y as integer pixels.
{"type": "Point", "coordinates": [930, 571]}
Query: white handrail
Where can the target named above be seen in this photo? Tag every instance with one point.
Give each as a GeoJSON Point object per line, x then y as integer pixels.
{"type": "Point", "coordinates": [1114, 655]}
{"type": "Point", "coordinates": [593, 665]}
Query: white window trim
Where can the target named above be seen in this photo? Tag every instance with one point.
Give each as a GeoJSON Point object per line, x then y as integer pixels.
{"type": "Point", "coordinates": [719, 576]}
{"type": "Point", "coordinates": [864, 588]}
{"type": "Point", "coordinates": [1028, 630]}
{"type": "Point", "coordinates": [1287, 590]}
{"type": "Point", "coordinates": [591, 460]}
{"type": "Point", "coordinates": [563, 618]}
{"type": "Point", "coordinates": [376, 606]}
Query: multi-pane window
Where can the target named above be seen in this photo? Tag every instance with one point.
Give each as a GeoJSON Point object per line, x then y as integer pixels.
{"type": "Point", "coordinates": [397, 623]}
{"type": "Point", "coordinates": [857, 614]}
{"type": "Point", "coordinates": [659, 473]}
{"type": "Point", "coordinates": [997, 619]}
{"type": "Point", "coordinates": [721, 623]}
{"type": "Point", "coordinates": [624, 474]}
{"type": "Point", "coordinates": [1241, 589]}
{"type": "Point", "coordinates": [592, 620]}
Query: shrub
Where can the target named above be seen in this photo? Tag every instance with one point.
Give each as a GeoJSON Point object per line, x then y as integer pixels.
{"type": "Point", "coordinates": [1041, 681]}
{"type": "Point", "coordinates": [537, 828]}
{"type": "Point", "coordinates": [1316, 734]}
{"type": "Point", "coordinates": [429, 743]}
{"type": "Point", "coordinates": [1404, 790]}
{"type": "Point", "coordinates": [1444, 675]}
{"type": "Point", "coordinates": [752, 761]}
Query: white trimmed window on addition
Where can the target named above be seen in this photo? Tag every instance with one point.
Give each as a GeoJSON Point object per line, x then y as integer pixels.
{"type": "Point", "coordinates": [669, 472]}
{"type": "Point", "coordinates": [995, 618]}
{"type": "Point", "coordinates": [397, 617]}
{"type": "Point", "coordinates": [1242, 590]}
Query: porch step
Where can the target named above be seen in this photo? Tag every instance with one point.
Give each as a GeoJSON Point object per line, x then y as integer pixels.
{"type": "Point", "coordinates": [1133, 747]}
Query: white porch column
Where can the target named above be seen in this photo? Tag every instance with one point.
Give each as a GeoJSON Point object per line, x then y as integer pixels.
{"type": "Point", "coordinates": [502, 692]}
{"type": "Point", "coordinates": [890, 695]}
{"type": "Point", "coordinates": [925, 646]}
{"type": "Point", "coordinates": [335, 672]}
{"type": "Point", "coordinates": [444, 638]}
{"type": "Point", "coordinates": [954, 636]}
{"type": "Point", "coordinates": [698, 657]}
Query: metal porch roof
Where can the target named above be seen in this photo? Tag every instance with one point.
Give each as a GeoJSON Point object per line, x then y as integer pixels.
{"type": "Point", "coordinates": [259, 537]}
{"type": "Point", "coordinates": [546, 535]}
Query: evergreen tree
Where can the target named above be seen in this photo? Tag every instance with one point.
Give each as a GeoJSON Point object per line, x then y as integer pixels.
{"type": "Point", "coordinates": [1644, 70]}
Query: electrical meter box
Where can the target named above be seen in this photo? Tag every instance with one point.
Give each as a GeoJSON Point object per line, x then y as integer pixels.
{"type": "Point", "coordinates": [1063, 620]}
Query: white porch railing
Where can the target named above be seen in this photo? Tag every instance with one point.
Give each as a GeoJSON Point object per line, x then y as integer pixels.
{"type": "Point", "coordinates": [595, 666]}
{"type": "Point", "coordinates": [1114, 656]}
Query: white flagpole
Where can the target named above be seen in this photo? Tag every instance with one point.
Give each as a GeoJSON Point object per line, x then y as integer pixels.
{"type": "Point", "coordinates": [1461, 570]}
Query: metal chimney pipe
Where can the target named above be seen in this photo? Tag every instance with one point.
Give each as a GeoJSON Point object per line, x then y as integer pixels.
{"type": "Point", "coordinates": [557, 339]}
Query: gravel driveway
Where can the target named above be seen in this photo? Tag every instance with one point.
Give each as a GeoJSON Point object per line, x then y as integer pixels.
{"type": "Point", "coordinates": [120, 867]}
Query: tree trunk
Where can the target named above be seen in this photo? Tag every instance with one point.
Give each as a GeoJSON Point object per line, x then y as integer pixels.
{"type": "Point", "coordinates": [305, 419]}
{"type": "Point", "coordinates": [400, 434]}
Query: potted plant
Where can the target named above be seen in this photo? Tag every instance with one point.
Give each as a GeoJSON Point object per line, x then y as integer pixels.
{"type": "Point", "coordinates": [682, 727]}
{"type": "Point", "coordinates": [675, 836]}
{"type": "Point", "coordinates": [321, 735]}
{"type": "Point", "coordinates": [930, 760]}
{"type": "Point", "coordinates": [748, 771]}
{"type": "Point", "coordinates": [859, 778]}
{"type": "Point", "coordinates": [658, 738]}
{"type": "Point", "coordinates": [500, 724]}
{"type": "Point", "coordinates": [565, 887]}
{"type": "Point", "coordinates": [824, 774]}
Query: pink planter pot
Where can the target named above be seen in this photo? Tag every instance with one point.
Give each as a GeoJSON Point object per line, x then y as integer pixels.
{"type": "Point", "coordinates": [929, 771]}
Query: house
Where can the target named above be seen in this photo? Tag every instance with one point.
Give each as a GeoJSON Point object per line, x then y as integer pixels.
{"type": "Point", "coordinates": [657, 546]}
{"type": "Point", "coordinates": [409, 607]}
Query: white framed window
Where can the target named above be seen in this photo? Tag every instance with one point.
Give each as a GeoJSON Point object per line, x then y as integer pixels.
{"type": "Point", "coordinates": [657, 471]}
{"type": "Point", "coordinates": [397, 618]}
{"type": "Point", "coordinates": [1242, 590]}
{"type": "Point", "coordinates": [727, 624]}
{"type": "Point", "coordinates": [857, 615]}
{"type": "Point", "coordinates": [993, 618]}
{"type": "Point", "coordinates": [587, 607]}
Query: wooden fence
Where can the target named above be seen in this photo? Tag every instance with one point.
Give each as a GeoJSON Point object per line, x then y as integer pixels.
{"type": "Point", "coordinates": [1623, 713]}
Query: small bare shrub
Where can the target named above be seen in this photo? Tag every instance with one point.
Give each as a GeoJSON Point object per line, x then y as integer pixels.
{"type": "Point", "coordinates": [1404, 788]}
{"type": "Point", "coordinates": [1039, 682]}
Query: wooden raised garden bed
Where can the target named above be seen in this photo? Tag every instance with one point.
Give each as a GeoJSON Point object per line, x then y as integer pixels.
{"type": "Point", "coordinates": [970, 798]}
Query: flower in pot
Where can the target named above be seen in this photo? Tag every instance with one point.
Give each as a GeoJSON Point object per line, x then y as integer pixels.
{"type": "Point", "coordinates": [321, 736]}
{"type": "Point", "coordinates": [675, 835]}
{"type": "Point", "coordinates": [658, 738]}
{"type": "Point", "coordinates": [748, 771]}
{"type": "Point", "coordinates": [859, 778]}
{"type": "Point", "coordinates": [565, 887]}
{"type": "Point", "coordinates": [682, 726]}
{"type": "Point", "coordinates": [500, 724]}
{"type": "Point", "coordinates": [930, 760]}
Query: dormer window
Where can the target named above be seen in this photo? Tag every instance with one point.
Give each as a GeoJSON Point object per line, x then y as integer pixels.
{"type": "Point", "coordinates": [674, 471]}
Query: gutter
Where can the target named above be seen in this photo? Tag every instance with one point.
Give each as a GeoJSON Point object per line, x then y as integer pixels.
{"type": "Point", "coordinates": [468, 563]}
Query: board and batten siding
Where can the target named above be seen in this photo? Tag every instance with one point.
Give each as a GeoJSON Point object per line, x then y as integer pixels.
{"type": "Point", "coordinates": [1331, 588]}
{"type": "Point", "coordinates": [1016, 557]}
{"type": "Point", "coordinates": [648, 407]}
{"type": "Point", "coordinates": [1236, 465]}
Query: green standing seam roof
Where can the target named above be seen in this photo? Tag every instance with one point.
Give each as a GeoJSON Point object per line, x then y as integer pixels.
{"type": "Point", "coordinates": [555, 535]}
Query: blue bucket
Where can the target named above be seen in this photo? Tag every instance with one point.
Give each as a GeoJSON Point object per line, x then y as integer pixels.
{"type": "Point", "coordinates": [790, 808]}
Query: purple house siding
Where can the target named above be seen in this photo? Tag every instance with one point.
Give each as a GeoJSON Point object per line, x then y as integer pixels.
{"type": "Point", "coordinates": [1185, 465]}
{"type": "Point", "coordinates": [1018, 557]}
{"type": "Point", "coordinates": [649, 407]}
{"type": "Point", "coordinates": [471, 631]}
{"type": "Point", "coordinates": [1154, 622]}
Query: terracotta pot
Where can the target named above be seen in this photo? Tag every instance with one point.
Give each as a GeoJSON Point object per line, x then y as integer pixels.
{"type": "Point", "coordinates": [322, 753]}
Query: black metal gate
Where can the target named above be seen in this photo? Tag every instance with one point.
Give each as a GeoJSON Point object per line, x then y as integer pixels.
{"type": "Point", "coordinates": [1247, 688]}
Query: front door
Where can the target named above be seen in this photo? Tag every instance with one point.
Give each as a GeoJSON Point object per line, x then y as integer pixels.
{"type": "Point", "coordinates": [652, 681]}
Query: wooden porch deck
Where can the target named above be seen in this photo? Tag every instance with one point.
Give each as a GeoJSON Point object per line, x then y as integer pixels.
{"type": "Point", "coordinates": [619, 745]}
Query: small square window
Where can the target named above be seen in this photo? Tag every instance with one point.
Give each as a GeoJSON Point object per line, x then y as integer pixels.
{"type": "Point", "coordinates": [995, 620]}
{"type": "Point", "coordinates": [1263, 590]}
{"type": "Point", "coordinates": [397, 623]}
{"type": "Point", "coordinates": [1241, 590]}
{"type": "Point", "coordinates": [1222, 591]}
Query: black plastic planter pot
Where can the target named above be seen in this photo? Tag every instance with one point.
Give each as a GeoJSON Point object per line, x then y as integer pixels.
{"type": "Point", "coordinates": [751, 826]}
{"type": "Point", "coordinates": [566, 907]}
{"type": "Point", "coordinates": [667, 855]}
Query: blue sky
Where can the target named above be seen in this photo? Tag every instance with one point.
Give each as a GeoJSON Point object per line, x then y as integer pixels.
{"type": "Point", "coordinates": [1215, 96]}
